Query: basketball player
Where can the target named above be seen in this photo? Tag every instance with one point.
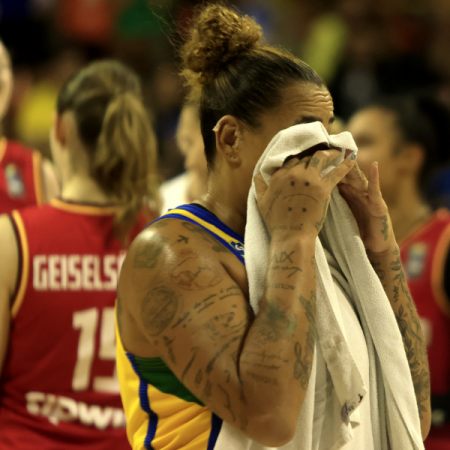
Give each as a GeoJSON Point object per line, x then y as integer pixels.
{"type": "Point", "coordinates": [59, 266]}
{"type": "Point", "coordinates": [191, 353]}
{"type": "Point", "coordinates": [25, 178]}
{"type": "Point", "coordinates": [409, 138]}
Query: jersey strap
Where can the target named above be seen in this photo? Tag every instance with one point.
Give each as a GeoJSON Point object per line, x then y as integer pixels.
{"type": "Point", "coordinates": [24, 258]}
{"type": "Point", "coordinates": [209, 222]}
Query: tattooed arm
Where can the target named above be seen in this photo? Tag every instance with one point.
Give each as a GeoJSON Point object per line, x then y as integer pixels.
{"type": "Point", "coordinates": [370, 211]}
{"type": "Point", "coordinates": [184, 299]}
{"type": "Point", "coordinates": [388, 267]}
{"type": "Point", "coordinates": [191, 307]}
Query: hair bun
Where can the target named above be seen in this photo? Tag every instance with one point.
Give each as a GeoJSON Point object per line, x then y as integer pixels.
{"type": "Point", "coordinates": [217, 35]}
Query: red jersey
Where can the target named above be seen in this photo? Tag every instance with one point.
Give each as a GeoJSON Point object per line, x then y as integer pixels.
{"type": "Point", "coordinates": [424, 254]}
{"type": "Point", "coordinates": [20, 176]}
{"type": "Point", "coordinates": [59, 386]}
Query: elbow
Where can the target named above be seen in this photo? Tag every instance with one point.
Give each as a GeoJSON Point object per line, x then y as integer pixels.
{"type": "Point", "coordinates": [272, 430]}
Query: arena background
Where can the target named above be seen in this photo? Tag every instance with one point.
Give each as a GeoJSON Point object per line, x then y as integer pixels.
{"type": "Point", "coordinates": [362, 48]}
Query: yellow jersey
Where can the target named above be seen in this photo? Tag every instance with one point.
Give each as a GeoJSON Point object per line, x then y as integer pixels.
{"type": "Point", "coordinates": [162, 414]}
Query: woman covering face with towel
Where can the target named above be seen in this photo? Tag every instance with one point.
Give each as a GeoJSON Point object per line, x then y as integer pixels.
{"type": "Point", "coordinates": [191, 353]}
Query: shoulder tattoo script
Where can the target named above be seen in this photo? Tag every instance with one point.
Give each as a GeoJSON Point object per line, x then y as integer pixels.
{"type": "Point", "coordinates": [158, 309]}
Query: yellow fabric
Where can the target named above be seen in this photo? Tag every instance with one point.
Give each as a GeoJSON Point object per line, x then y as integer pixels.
{"type": "Point", "coordinates": [137, 419]}
{"type": "Point", "coordinates": [181, 425]}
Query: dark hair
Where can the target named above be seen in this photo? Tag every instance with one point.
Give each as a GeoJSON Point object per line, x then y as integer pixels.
{"type": "Point", "coordinates": [230, 71]}
{"type": "Point", "coordinates": [422, 120]}
{"type": "Point", "coordinates": [115, 129]}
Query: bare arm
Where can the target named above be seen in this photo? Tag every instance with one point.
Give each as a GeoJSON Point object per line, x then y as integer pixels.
{"type": "Point", "coordinates": [375, 226]}
{"type": "Point", "coordinates": [253, 372]}
{"type": "Point", "coordinates": [388, 267]}
{"type": "Point", "coordinates": [8, 274]}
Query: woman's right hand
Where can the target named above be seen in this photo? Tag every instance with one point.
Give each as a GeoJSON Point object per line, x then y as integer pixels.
{"type": "Point", "coordinates": [297, 198]}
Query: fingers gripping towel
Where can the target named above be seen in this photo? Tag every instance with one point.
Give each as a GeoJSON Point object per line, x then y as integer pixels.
{"type": "Point", "coordinates": [393, 401]}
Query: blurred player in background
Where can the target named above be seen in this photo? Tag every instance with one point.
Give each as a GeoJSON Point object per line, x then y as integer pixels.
{"type": "Point", "coordinates": [191, 184]}
{"type": "Point", "coordinates": [409, 139]}
{"type": "Point", "coordinates": [59, 266]}
{"type": "Point", "coordinates": [25, 178]}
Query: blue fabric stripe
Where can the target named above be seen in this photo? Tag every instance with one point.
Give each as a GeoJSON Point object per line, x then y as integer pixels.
{"type": "Point", "coordinates": [212, 219]}
{"type": "Point", "coordinates": [145, 405]}
{"type": "Point", "coordinates": [222, 241]}
{"type": "Point", "coordinates": [216, 425]}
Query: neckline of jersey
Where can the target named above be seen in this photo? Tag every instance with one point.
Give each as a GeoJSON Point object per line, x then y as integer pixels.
{"type": "Point", "coordinates": [204, 214]}
{"type": "Point", "coordinates": [84, 207]}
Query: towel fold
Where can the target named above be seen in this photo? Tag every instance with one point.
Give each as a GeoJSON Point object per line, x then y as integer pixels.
{"type": "Point", "coordinates": [340, 254]}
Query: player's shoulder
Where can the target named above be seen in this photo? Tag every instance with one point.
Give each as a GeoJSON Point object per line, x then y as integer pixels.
{"type": "Point", "coordinates": [171, 234]}
{"type": "Point", "coordinates": [167, 243]}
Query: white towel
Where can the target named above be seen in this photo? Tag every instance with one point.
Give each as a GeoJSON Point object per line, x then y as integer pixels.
{"type": "Point", "coordinates": [393, 402]}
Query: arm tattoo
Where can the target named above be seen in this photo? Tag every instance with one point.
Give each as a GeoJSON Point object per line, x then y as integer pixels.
{"type": "Point", "coordinates": [301, 366]}
{"type": "Point", "coordinates": [282, 257]}
{"type": "Point", "coordinates": [314, 161]}
{"type": "Point", "coordinates": [292, 269]}
{"type": "Point", "coordinates": [158, 309]}
{"type": "Point", "coordinates": [189, 275]}
{"type": "Point", "coordinates": [168, 343]}
{"type": "Point", "coordinates": [181, 320]}
{"type": "Point", "coordinates": [410, 329]}
{"type": "Point", "coordinates": [227, 404]}
{"type": "Point", "coordinates": [206, 236]}
{"type": "Point", "coordinates": [397, 268]}
{"type": "Point", "coordinates": [198, 378]}
{"type": "Point", "coordinates": [207, 391]}
{"type": "Point", "coordinates": [414, 354]}
{"type": "Point", "coordinates": [377, 268]}
{"type": "Point", "coordinates": [304, 357]}
{"type": "Point", "coordinates": [262, 378]}
{"type": "Point", "coordinates": [280, 286]}
{"type": "Point", "coordinates": [385, 227]}
{"type": "Point", "coordinates": [147, 255]}
{"type": "Point", "coordinates": [274, 324]}
{"type": "Point", "coordinates": [210, 365]}
{"type": "Point", "coordinates": [189, 364]}
{"type": "Point", "coordinates": [222, 326]}
{"type": "Point", "coordinates": [310, 312]}
{"type": "Point", "coordinates": [232, 291]}
{"type": "Point", "coordinates": [274, 199]}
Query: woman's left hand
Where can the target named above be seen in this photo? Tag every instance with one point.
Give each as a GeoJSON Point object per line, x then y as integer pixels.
{"type": "Point", "coordinates": [371, 213]}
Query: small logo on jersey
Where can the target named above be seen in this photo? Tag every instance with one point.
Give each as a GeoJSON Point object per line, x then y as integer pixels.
{"type": "Point", "coordinates": [238, 247]}
{"type": "Point", "coordinates": [14, 181]}
{"type": "Point", "coordinates": [416, 260]}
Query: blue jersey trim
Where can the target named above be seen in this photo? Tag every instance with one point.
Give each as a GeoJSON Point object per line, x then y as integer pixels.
{"type": "Point", "coordinates": [238, 251]}
{"type": "Point", "coordinates": [222, 241]}
{"type": "Point", "coordinates": [212, 219]}
{"type": "Point", "coordinates": [145, 405]}
{"type": "Point", "coordinates": [216, 425]}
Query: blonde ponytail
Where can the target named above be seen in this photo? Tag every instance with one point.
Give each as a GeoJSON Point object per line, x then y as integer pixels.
{"type": "Point", "coordinates": [115, 129]}
{"type": "Point", "coordinates": [124, 163]}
